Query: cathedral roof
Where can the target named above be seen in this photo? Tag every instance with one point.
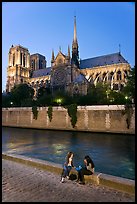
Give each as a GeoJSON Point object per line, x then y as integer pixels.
{"type": "Point", "coordinates": [37, 54]}
{"type": "Point", "coordinates": [41, 72]}
{"type": "Point", "coordinates": [81, 78]}
{"type": "Point", "coordinates": [102, 60]}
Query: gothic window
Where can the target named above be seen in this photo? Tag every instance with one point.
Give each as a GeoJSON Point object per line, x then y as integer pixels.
{"type": "Point", "coordinates": [24, 60]}
{"type": "Point", "coordinates": [32, 84]}
{"type": "Point", "coordinates": [76, 90]}
{"type": "Point", "coordinates": [37, 82]}
{"type": "Point", "coordinates": [125, 73]}
{"type": "Point", "coordinates": [13, 59]}
{"type": "Point", "coordinates": [96, 75]}
{"type": "Point", "coordinates": [121, 87]}
{"type": "Point", "coordinates": [21, 58]}
{"type": "Point", "coordinates": [33, 64]}
{"type": "Point", "coordinates": [44, 84]}
{"type": "Point", "coordinates": [111, 76]}
{"type": "Point", "coordinates": [104, 77]}
{"type": "Point", "coordinates": [119, 75]}
{"type": "Point", "coordinates": [98, 79]}
{"type": "Point", "coordinates": [60, 61]}
{"type": "Point", "coordinates": [39, 64]}
{"type": "Point", "coordinates": [115, 86]}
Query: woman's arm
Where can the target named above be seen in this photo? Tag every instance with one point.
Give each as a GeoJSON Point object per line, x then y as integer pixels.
{"type": "Point", "coordinates": [89, 167]}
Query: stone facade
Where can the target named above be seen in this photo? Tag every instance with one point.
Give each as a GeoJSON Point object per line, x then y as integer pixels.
{"type": "Point", "coordinates": [18, 66]}
{"type": "Point", "coordinates": [89, 118]}
{"type": "Point", "coordinates": [67, 72]}
{"type": "Point", "coordinates": [37, 62]}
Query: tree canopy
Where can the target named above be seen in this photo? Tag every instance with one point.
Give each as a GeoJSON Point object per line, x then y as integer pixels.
{"type": "Point", "coordinates": [21, 93]}
{"type": "Point", "coordinates": [129, 89]}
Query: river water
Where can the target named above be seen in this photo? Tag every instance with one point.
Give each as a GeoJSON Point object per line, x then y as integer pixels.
{"type": "Point", "coordinates": [112, 154]}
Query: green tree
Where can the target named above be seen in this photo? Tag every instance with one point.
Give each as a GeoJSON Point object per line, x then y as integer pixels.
{"type": "Point", "coordinates": [6, 100]}
{"type": "Point", "coordinates": [116, 97]}
{"type": "Point", "coordinates": [129, 89]}
{"type": "Point", "coordinates": [20, 93]}
{"type": "Point", "coordinates": [42, 91]}
{"type": "Point", "coordinates": [44, 100]}
{"type": "Point", "coordinates": [98, 94]}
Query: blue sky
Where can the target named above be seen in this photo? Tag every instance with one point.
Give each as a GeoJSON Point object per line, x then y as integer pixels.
{"type": "Point", "coordinates": [43, 26]}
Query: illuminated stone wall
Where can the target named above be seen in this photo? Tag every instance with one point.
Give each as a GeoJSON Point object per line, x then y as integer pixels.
{"type": "Point", "coordinates": [89, 118]}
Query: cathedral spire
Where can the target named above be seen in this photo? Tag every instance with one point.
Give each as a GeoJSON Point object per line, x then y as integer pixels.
{"type": "Point", "coordinates": [75, 32]}
{"type": "Point", "coordinates": [68, 51]}
{"type": "Point", "coordinates": [75, 52]}
{"type": "Point", "coordinates": [53, 55]}
{"type": "Point", "coordinates": [53, 58]}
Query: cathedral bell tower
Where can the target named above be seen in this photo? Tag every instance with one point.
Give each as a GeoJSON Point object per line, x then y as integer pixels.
{"type": "Point", "coordinates": [18, 66]}
{"type": "Point", "coordinates": [75, 52]}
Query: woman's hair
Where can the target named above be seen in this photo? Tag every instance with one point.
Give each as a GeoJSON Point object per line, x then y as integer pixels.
{"type": "Point", "coordinates": [68, 156]}
{"type": "Point", "coordinates": [89, 160]}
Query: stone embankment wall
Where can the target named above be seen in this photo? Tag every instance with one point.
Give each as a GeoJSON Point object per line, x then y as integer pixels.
{"type": "Point", "coordinates": [89, 118]}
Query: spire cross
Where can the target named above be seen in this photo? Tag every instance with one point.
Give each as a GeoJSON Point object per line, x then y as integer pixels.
{"type": "Point", "coordinates": [119, 48]}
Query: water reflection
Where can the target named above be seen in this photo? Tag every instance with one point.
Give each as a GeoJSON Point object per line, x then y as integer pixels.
{"type": "Point", "coordinates": [112, 154]}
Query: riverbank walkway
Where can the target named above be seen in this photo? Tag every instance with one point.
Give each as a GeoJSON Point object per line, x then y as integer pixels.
{"type": "Point", "coordinates": [25, 183]}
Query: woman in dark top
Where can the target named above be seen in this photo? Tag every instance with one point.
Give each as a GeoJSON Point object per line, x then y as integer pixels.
{"type": "Point", "coordinates": [88, 169]}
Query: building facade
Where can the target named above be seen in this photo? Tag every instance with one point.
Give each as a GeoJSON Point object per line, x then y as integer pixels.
{"type": "Point", "coordinates": [67, 72]}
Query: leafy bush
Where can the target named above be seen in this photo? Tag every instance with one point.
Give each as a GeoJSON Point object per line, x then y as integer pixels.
{"type": "Point", "coordinates": [72, 112]}
{"type": "Point", "coordinates": [35, 112]}
{"type": "Point", "coordinates": [49, 112]}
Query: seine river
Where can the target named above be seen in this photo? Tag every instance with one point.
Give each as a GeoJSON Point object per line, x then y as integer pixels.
{"type": "Point", "coordinates": [112, 154]}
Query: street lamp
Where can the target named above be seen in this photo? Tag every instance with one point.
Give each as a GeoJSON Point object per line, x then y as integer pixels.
{"type": "Point", "coordinates": [59, 101]}
{"type": "Point", "coordinates": [11, 103]}
{"type": "Point", "coordinates": [126, 97]}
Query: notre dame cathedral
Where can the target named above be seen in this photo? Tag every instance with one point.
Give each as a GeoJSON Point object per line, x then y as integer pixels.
{"type": "Point", "coordinates": [67, 72]}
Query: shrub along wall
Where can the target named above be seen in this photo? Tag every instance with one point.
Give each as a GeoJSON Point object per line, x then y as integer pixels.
{"type": "Point", "coordinates": [89, 118]}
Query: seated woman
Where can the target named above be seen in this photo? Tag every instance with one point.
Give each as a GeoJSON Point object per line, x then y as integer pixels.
{"type": "Point", "coordinates": [67, 166]}
{"type": "Point", "coordinates": [88, 169]}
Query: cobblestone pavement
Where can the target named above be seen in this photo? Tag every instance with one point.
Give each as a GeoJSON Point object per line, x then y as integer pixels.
{"type": "Point", "coordinates": [22, 183]}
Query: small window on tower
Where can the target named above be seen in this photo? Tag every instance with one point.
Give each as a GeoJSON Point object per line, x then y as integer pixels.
{"type": "Point", "coordinates": [13, 59]}
{"type": "Point", "coordinates": [24, 60]}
